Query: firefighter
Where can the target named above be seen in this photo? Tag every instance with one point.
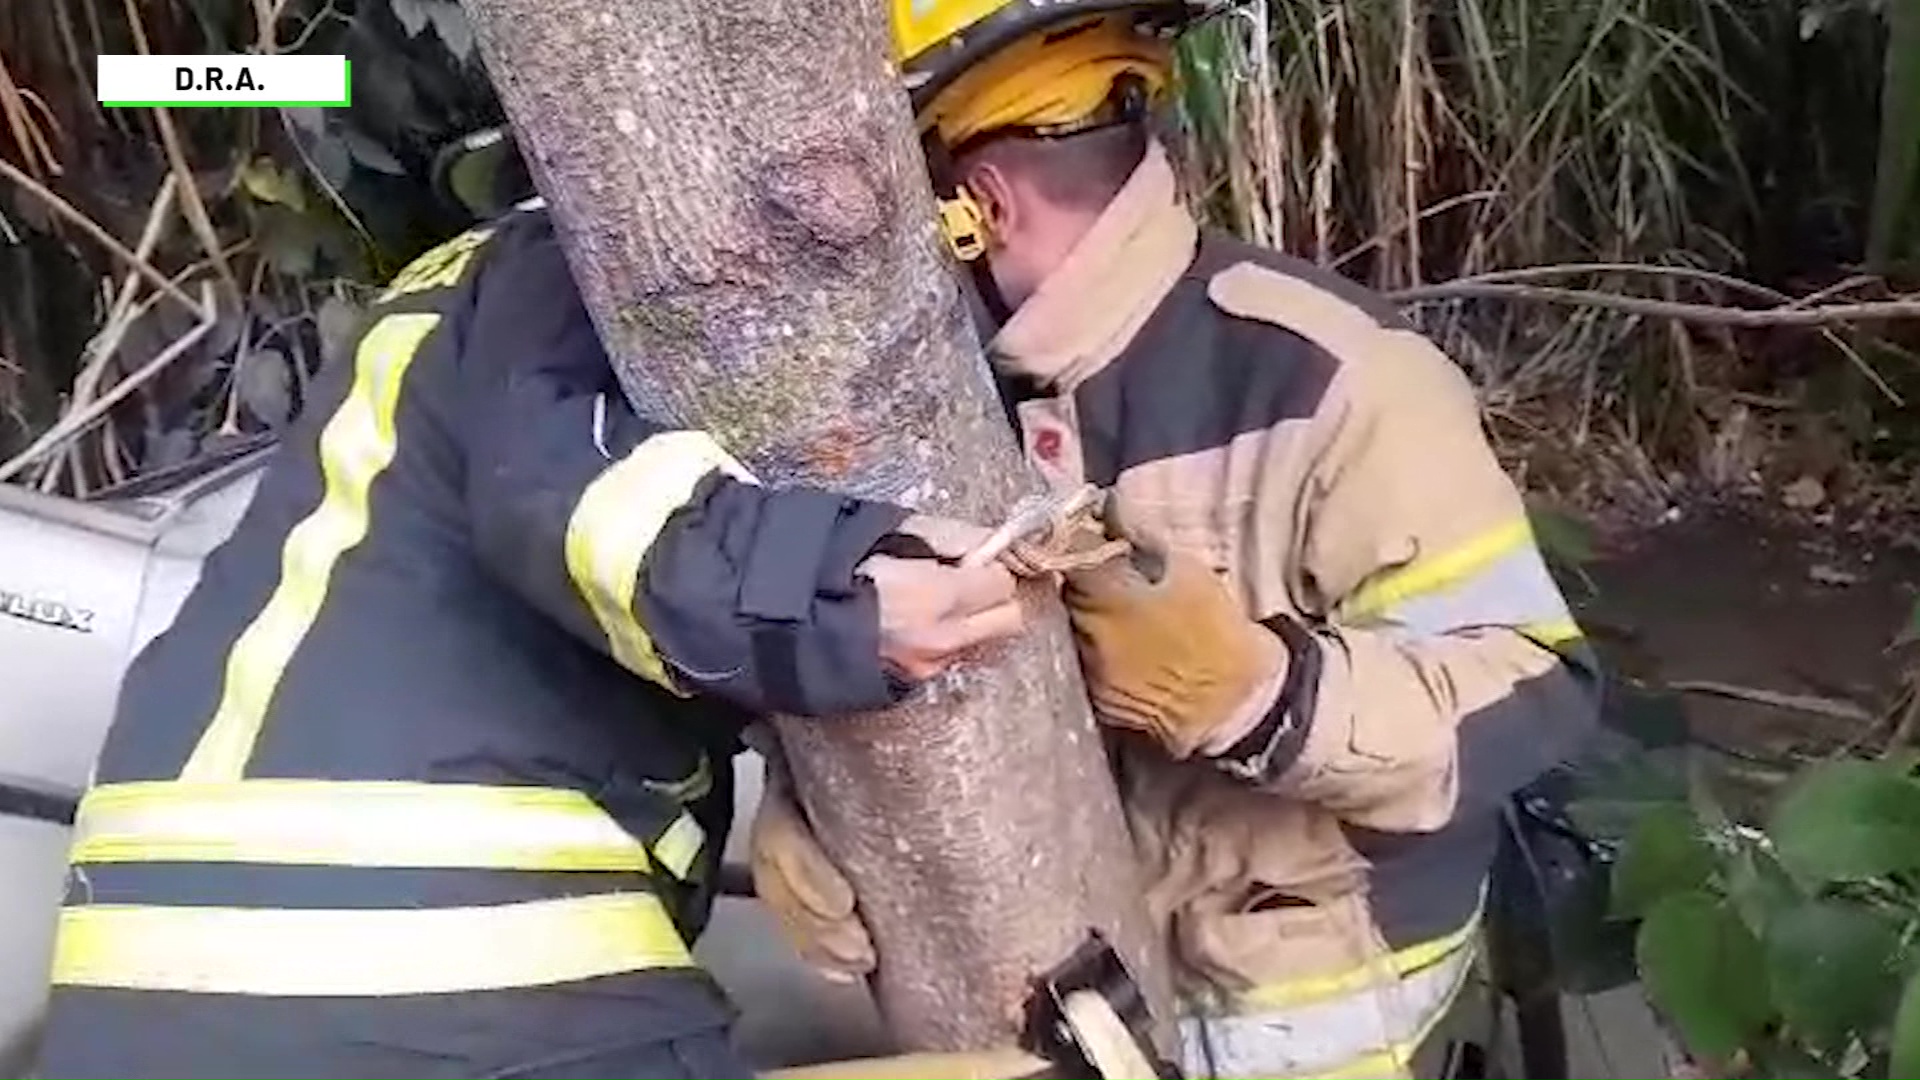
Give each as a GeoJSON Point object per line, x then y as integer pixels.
{"type": "Point", "coordinates": [430, 776]}
{"type": "Point", "coordinates": [1342, 653]}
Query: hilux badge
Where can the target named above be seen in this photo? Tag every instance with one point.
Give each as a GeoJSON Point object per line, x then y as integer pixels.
{"type": "Point", "coordinates": [39, 609]}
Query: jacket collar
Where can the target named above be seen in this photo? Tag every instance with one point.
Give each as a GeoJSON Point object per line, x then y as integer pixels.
{"type": "Point", "coordinates": [1086, 311]}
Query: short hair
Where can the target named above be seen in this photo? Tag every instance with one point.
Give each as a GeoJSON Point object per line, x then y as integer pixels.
{"type": "Point", "coordinates": [1083, 171]}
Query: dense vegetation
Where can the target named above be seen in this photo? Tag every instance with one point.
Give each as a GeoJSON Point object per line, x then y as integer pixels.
{"type": "Point", "coordinates": [1654, 148]}
{"type": "Point", "coordinates": [284, 218]}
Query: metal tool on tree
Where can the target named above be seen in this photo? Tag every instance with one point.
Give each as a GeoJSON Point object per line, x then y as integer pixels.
{"type": "Point", "coordinates": [1091, 1018]}
{"type": "Point", "coordinates": [1087, 1020]}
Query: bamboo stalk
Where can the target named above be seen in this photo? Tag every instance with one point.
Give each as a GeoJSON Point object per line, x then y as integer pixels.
{"type": "Point", "coordinates": [192, 204]}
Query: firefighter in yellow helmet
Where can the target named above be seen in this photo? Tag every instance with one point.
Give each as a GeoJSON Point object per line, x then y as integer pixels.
{"type": "Point", "coordinates": [1351, 653]}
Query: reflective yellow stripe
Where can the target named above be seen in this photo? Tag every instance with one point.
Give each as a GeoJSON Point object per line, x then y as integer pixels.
{"type": "Point", "coordinates": [1432, 574]}
{"type": "Point", "coordinates": [1295, 992]}
{"type": "Point", "coordinates": [619, 516]}
{"type": "Point", "coordinates": [355, 447]}
{"type": "Point", "coordinates": [437, 268]}
{"type": "Point", "coordinates": [364, 953]}
{"type": "Point", "coordinates": [1554, 635]}
{"type": "Point", "coordinates": [367, 824]}
{"type": "Point", "coordinates": [695, 786]}
{"type": "Point", "coordinates": [680, 845]}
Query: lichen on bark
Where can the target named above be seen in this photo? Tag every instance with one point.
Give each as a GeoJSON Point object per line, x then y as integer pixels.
{"type": "Point", "coordinates": [747, 215]}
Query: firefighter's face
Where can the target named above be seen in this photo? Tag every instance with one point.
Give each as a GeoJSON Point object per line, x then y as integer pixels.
{"type": "Point", "coordinates": [1028, 235]}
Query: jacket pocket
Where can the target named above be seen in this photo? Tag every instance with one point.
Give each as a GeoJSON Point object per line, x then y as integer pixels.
{"type": "Point", "coordinates": [1261, 886]}
{"type": "Point", "coordinates": [1381, 752]}
{"type": "Point", "coordinates": [1283, 953]}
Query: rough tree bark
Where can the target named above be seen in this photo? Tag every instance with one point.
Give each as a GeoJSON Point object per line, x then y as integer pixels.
{"type": "Point", "coordinates": [748, 217]}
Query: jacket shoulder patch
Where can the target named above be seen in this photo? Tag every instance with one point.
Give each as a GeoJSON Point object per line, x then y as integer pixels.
{"type": "Point", "coordinates": [1370, 355]}
{"type": "Point", "coordinates": [1250, 291]}
{"type": "Point", "coordinates": [441, 267]}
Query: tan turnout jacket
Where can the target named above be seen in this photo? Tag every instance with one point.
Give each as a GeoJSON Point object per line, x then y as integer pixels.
{"type": "Point", "coordinates": [1286, 426]}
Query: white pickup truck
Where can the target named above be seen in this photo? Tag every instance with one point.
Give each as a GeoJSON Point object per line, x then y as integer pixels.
{"type": "Point", "coordinates": [83, 586]}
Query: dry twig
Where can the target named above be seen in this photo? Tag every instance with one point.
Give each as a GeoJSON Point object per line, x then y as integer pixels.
{"type": "Point", "coordinates": [1712, 314]}
{"type": "Point", "coordinates": [119, 318]}
{"type": "Point", "coordinates": [1510, 285]}
{"type": "Point", "coordinates": [66, 210]}
{"type": "Point", "coordinates": [14, 102]}
{"type": "Point", "coordinates": [1804, 703]}
{"type": "Point", "coordinates": [77, 421]}
{"type": "Point", "coordinates": [191, 202]}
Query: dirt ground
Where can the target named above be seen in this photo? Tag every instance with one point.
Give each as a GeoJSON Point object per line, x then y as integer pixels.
{"type": "Point", "coordinates": [1756, 603]}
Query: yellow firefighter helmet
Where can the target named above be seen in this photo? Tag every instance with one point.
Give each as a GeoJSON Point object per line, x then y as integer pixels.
{"type": "Point", "coordinates": [1040, 67]}
{"type": "Point", "coordinates": [976, 66]}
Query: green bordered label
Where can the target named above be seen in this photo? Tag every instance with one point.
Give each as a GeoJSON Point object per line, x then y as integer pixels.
{"type": "Point", "coordinates": [241, 81]}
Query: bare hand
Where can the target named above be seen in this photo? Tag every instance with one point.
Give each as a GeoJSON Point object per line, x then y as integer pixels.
{"type": "Point", "coordinates": [931, 614]}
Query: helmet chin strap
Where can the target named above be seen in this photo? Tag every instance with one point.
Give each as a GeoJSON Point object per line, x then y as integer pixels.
{"type": "Point", "coordinates": [964, 228]}
{"type": "Point", "coordinates": [989, 309]}
{"type": "Point", "coordinates": [962, 222]}
{"type": "Point", "coordinates": [991, 298]}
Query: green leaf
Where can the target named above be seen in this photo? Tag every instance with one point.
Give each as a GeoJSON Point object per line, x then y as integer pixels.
{"type": "Point", "coordinates": [370, 153]}
{"type": "Point", "coordinates": [333, 160]}
{"type": "Point", "coordinates": [412, 15]}
{"type": "Point", "coordinates": [1894, 234]}
{"type": "Point", "coordinates": [265, 385]}
{"type": "Point", "coordinates": [290, 242]}
{"type": "Point", "coordinates": [1848, 821]}
{"type": "Point", "coordinates": [1704, 972]}
{"type": "Point", "coordinates": [450, 23]}
{"type": "Point", "coordinates": [1760, 888]}
{"type": "Point", "coordinates": [1665, 855]}
{"type": "Point", "coordinates": [1906, 1031]}
{"type": "Point", "coordinates": [265, 181]}
{"type": "Point", "coordinates": [1910, 633]}
{"type": "Point", "coordinates": [1834, 970]}
{"type": "Point", "coordinates": [1561, 535]}
{"type": "Point", "coordinates": [1781, 1061]}
{"type": "Point", "coordinates": [311, 120]}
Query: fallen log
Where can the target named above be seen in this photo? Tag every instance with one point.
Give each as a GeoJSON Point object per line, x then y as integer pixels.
{"type": "Point", "coordinates": [746, 211]}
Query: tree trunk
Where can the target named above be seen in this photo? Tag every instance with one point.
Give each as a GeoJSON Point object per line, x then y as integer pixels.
{"type": "Point", "coordinates": [746, 211]}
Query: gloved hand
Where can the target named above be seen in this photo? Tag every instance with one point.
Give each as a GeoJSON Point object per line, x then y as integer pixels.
{"type": "Point", "coordinates": [808, 895]}
{"type": "Point", "coordinates": [1166, 650]}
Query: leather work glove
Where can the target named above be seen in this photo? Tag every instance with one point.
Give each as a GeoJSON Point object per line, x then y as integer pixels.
{"type": "Point", "coordinates": [806, 892]}
{"type": "Point", "coordinates": [1166, 650]}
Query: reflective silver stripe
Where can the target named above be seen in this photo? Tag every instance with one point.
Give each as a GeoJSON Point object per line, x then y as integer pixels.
{"type": "Point", "coordinates": [1371, 1033]}
{"type": "Point", "coordinates": [1514, 590]}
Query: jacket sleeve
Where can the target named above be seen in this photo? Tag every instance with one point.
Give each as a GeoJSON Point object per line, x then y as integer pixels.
{"type": "Point", "coordinates": [1444, 671]}
{"type": "Point", "coordinates": [649, 542]}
